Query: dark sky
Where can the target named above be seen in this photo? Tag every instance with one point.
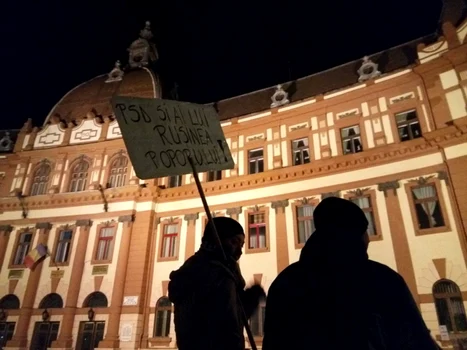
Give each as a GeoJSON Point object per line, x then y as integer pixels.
{"type": "Point", "coordinates": [214, 50]}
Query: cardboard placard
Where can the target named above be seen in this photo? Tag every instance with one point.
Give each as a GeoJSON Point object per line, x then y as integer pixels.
{"type": "Point", "coordinates": [160, 135]}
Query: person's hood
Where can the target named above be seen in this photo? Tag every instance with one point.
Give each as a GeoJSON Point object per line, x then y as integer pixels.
{"type": "Point", "coordinates": [325, 249]}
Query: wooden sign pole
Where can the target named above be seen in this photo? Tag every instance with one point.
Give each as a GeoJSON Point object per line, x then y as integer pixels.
{"type": "Point", "coordinates": [211, 222]}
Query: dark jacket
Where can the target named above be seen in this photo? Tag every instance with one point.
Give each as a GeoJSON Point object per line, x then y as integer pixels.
{"type": "Point", "coordinates": [330, 300]}
{"type": "Point", "coordinates": [206, 294]}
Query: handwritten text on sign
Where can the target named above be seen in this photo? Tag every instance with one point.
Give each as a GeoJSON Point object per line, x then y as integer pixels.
{"type": "Point", "coordinates": [160, 136]}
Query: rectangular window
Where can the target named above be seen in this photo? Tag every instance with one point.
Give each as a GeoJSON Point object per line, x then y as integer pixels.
{"type": "Point", "coordinates": [63, 246]}
{"type": "Point", "coordinates": [301, 151]}
{"type": "Point", "coordinates": [351, 140]}
{"type": "Point", "coordinates": [22, 249]}
{"type": "Point", "coordinates": [214, 175]}
{"type": "Point", "coordinates": [408, 125]}
{"type": "Point", "coordinates": [427, 206]}
{"type": "Point", "coordinates": [90, 334]}
{"type": "Point", "coordinates": [105, 244]}
{"type": "Point", "coordinates": [305, 223]}
{"type": "Point", "coordinates": [169, 241]}
{"type": "Point", "coordinates": [256, 161]}
{"type": "Point", "coordinates": [6, 332]}
{"type": "Point", "coordinates": [364, 202]}
{"type": "Point", "coordinates": [257, 231]}
{"type": "Point", "coordinates": [175, 181]}
{"type": "Point", "coordinates": [44, 334]}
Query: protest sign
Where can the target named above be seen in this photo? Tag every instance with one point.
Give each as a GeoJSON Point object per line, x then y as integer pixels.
{"type": "Point", "coordinates": [161, 135]}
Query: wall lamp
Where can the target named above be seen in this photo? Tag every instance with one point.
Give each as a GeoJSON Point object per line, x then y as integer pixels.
{"type": "Point", "coordinates": [45, 315]}
{"type": "Point", "coordinates": [106, 204]}
{"type": "Point", "coordinates": [22, 202]}
{"type": "Point", "coordinates": [91, 314]}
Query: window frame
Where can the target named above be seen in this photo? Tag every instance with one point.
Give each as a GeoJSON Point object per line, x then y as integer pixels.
{"type": "Point", "coordinates": [248, 212]}
{"type": "Point", "coordinates": [397, 124]}
{"type": "Point", "coordinates": [442, 202]}
{"type": "Point", "coordinates": [447, 297]}
{"type": "Point", "coordinates": [161, 228]}
{"type": "Point", "coordinates": [371, 193]}
{"type": "Point", "coordinates": [300, 149]}
{"type": "Point", "coordinates": [168, 338]}
{"type": "Point", "coordinates": [125, 174]}
{"type": "Point", "coordinates": [214, 172]}
{"type": "Point", "coordinates": [295, 205]}
{"type": "Point", "coordinates": [174, 176]}
{"type": "Point", "coordinates": [58, 231]}
{"type": "Point", "coordinates": [30, 230]}
{"type": "Point", "coordinates": [99, 228]}
{"type": "Point", "coordinates": [342, 139]}
{"type": "Point", "coordinates": [37, 168]}
{"type": "Point", "coordinates": [77, 161]}
{"type": "Point", "coordinates": [256, 159]}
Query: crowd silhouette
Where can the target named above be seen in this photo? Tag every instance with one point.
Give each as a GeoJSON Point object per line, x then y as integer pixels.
{"type": "Point", "coordinates": [334, 297]}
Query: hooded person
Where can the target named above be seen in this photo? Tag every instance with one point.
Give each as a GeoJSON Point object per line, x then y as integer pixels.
{"type": "Point", "coordinates": [334, 297]}
{"type": "Point", "coordinates": [207, 292]}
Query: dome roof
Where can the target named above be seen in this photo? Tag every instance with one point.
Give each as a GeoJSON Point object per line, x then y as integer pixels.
{"type": "Point", "coordinates": [96, 94]}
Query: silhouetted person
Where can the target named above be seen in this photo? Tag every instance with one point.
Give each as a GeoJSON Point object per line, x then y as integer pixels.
{"type": "Point", "coordinates": [335, 298]}
{"type": "Point", "coordinates": [206, 291]}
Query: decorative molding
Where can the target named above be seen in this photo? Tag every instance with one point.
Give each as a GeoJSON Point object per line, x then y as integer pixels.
{"type": "Point", "coordinates": [172, 220]}
{"type": "Point", "coordinates": [372, 157]}
{"type": "Point", "coordinates": [234, 211]}
{"type": "Point", "coordinates": [368, 70]}
{"type": "Point", "coordinates": [157, 221]}
{"type": "Point", "coordinates": [126, 218]}
{"type": "Point", "coordinates": [116, 74]}
{"type": "Point", "coordinates": [15, 274]}
{"type": "Point", "coordinates": [331, 194]}
{"type": "Point", "coordinates": [298, 127]}
{"type": "Point", "coordinates": [422, 180]}
{"type": "Point", "coordinates": [443, 175]}
{"type": "Point", "coordinates": [390, 185]}
{"type": "Point", "coordinates": [100, 269]}
{"type": "Point", "coordinates": [43, 226]}
{"type": "Point", "coordinates": [401, 98]}
{"type": "Point", "coordinates": [191, 217]}
{"type": "Point", "coordinates": [80, 223]}
{"type": "Point", "coordinates": [349, 113]}
{"type": "Point", "coordinates": [359, 191]}
{"type": "Point", "coordinates": [6, 228]}
{"type": "Point", "coordinates": [304, 200]}
{"type": "Point", "coordinates": [108, 223]}
{"type": "Point", "coordinates": [255, 138]}
{"type": "Point", "coordinates": [256, 208]}
{"type": "Point", "coordinates": [280, 97]}
{"type": "Point", "coordinates": [276, 205]}
{"type": "Point", "coordinates": [57, 273]}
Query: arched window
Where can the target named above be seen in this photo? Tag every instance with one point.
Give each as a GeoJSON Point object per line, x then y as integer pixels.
{"type": "Point", "coordinates": [118, 171]}
{"type": "Point", "coordinates": [96, 299]}
{"type": "Point", "coordinates": [40, 179]}
{"type": "Point", "coordinates": [79, 176]}
{"type": "Point", "coordinates": [51, 301]}
{"type": "Point", "coordinates": [9, 302]}
{"type": "Point", "coordinates": [449, 306]}
{"type": "Point", "coordinates": [163, 317]}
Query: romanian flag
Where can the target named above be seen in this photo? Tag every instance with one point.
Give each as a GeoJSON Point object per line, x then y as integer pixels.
{"type": "Point", "coordinates": [35, 255]}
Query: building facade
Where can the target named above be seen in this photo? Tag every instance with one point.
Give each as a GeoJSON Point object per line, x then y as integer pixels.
{"type": "Point", "coordinates": [388, 132]}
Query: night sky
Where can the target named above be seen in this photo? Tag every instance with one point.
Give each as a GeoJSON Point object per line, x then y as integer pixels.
{"type": "Point", "coordinates": [213, 51]}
